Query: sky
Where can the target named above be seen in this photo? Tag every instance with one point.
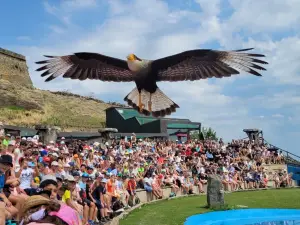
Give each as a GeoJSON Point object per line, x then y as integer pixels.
{"type": "Point", "coordinates": [156, 28]}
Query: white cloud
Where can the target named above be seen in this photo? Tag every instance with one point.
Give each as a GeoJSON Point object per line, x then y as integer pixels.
{"type": "Point", "coordinates": [283, 57]}
{"type": "Point", "coordinates": [277, 115]}
{"type": "Point", "coordinates": [57, 29]}
{"type": "Point", "coordinates": [50, 8]}
{"type": "Point", "coordinates": [210, 8]}
{"type": "Point", "coordinates": [279, 100]}
{"type": "Point", "coordinates": [69, 6]}
{"type": "Point", "coordinates": [78, 4]}
{"type": "Point", "coordinates": [256, 16]}
{"type": "Point", "coordinates": [23, 38]}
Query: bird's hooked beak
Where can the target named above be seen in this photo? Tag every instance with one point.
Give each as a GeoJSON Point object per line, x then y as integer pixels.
{"type": "Point", "coordinates": [131, 57]}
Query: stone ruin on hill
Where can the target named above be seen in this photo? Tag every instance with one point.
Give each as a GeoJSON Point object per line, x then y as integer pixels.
{"type": "Point", "coordinates": [13, 68]}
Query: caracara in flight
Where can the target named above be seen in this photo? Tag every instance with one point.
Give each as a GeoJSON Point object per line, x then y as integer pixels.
{"type": "Point", "coordinates": [146, 96]}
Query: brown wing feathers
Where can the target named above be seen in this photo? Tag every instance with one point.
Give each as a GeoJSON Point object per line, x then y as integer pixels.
{"type": "Point", "coordinates": [202, 64]}
{"type": "Point", "coordinates": [84, 66]}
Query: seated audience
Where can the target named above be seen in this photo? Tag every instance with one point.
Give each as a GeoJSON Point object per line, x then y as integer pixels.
{"type": "Point", "coordinates": [76, 182]}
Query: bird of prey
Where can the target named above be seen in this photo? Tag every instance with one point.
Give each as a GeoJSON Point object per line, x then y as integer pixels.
{"type": "Point", "coordinates": [146, 96]}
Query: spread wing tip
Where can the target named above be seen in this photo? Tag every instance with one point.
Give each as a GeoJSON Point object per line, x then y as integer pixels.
{"type": "Point", "coordinates": [46, 61]}
{"type": "Point", "coordinates": [42, 62]}
{"type": "Point", "coordinates": [243, 50]}
{"type": "Point", "coordinates": [41, 68]}
{"type": "Point", "coordinates": [49, 78]}
{"type": "Point", "coordinates": [249, 54]}
{"type": "Point", "coordinates": [50, 56]}
{"type": "Point", "coordinates": [254, 72]}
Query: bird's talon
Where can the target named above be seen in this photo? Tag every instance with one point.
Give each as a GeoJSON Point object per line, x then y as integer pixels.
{"type": "Point", "coordinates": [141, 107]}
{"type": "Point", "coordinates": [150, 106]}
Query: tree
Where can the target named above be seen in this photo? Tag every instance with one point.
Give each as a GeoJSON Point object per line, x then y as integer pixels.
{"type": "Point", "coordinates": [206, 133]}
{"type": "Point", "coordinates": [209, 133]}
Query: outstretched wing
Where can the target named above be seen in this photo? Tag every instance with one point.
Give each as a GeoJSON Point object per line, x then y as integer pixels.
{"type": "Point", "coordinates": [206, 63]}
{"type": "Point", "coordinates": [84, 66]}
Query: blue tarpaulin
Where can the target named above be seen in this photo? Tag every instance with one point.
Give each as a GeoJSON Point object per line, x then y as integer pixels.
{"type": "Point", "coordinates": [247, 217]}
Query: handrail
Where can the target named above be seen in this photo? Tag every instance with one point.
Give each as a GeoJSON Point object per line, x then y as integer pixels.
{"type": "Point", "coordinates": [266, 142]}
{"type": "Point", "coordinates": [289, 155]}
{"type": "Point", "coordinates": [282, 149]}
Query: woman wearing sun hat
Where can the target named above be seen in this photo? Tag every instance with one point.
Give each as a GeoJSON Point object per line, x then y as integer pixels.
{"type": "Point", "coordinates": [38, 210]}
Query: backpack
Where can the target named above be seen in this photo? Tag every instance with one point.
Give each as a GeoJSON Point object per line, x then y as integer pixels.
{"type": "Point", "coordinates": [117, 205]}
{"type": "Point", "coordinates": [172, 195]}
{"type": "Point", "coordinates": [137, 201]}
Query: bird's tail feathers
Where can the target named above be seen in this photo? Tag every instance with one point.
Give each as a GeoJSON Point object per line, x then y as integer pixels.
{"type": "Point", "coordinates": [161, 105]}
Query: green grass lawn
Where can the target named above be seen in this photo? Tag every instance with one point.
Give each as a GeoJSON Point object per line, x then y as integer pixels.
{"type": "Point", "coordinates": [171, 212]}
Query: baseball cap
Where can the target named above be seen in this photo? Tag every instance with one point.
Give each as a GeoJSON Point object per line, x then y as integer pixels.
{"type": "Point", "coordinates": [85, 175]}
{"type": "Point", "coordinates": [48, 179]}
{"type": "Point", "coordinates": [46, 159]}
{"type": "Point", "coordinates": [54, 163]}
{"type": "Point", "coordinates": [70, 178]}
{"type": "Point", "coordinates": [76, 174]}
{"type": "Point", "coordinates": [104, 180]}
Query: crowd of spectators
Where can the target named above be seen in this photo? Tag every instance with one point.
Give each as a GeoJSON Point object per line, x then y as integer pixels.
{"type": "Point", "coordinates": [76, 182]}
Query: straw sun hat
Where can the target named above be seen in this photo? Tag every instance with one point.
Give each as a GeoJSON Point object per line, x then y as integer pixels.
{"type": "Point", "coordinates": [34, 201]}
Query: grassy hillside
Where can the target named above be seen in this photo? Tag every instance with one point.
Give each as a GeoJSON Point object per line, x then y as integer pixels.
{"type": "Point", "coordinates": [28, 107]}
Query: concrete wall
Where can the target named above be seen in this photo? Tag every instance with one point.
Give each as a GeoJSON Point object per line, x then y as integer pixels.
{"type": "Point", "coordinates": [275, 167]}
{"type": "Point", "coordinates": [13, 68]}
{"type": "Point", "coordinates": [146, 197]}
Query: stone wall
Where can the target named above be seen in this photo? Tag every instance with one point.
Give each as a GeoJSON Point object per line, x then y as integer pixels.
{"type": "Point", "coordinates": [13, 68]}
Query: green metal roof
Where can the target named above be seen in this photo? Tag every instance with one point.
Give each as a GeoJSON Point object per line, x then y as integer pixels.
{"type": "Point", "coordinates": [143, 120]}
{"type": "Point", "coordinates": [182, 126]}
{"type": "Point", "coordinates": [128, 113]}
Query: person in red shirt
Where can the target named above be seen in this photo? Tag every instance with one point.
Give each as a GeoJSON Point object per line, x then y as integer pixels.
{"type": "Point", "coordinates": [131, 187]}
{"type": "Point", "coordinates": [160, 160]}
{"type": "Point", "coordinates": [188, 151]}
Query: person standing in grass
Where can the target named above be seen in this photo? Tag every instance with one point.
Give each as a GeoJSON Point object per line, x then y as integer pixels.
{"type": "Point", "coordinates": [131, 188]}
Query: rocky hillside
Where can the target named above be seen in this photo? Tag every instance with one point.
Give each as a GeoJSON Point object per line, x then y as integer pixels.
{"type": "Point", "coordinates": [27, 107]}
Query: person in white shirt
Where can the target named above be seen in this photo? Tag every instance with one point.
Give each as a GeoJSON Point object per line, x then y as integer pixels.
{"type": "Point", "coordinates": [26, 175]}
{"type": "Point", "coordinates": [18, 154]}
{"type": "Point", "coordinates": [135, 170]}
{"type": "Point", "coordinates": [148, 183]}
{"type": "Point", "coordinates": [66, 170]}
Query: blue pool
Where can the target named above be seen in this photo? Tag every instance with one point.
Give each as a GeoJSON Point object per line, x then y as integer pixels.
{"type": "Point", "coordinates": [247, 217]}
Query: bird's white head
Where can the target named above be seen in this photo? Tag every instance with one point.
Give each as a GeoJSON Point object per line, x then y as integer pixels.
{"type": "Point", "coordinates": [133, 57]}
{"type": "Point", "coordinates": [134, 63]}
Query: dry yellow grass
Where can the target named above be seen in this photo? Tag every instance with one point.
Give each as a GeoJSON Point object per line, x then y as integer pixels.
{"type": "Point", "coordinates": [28, 107]}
